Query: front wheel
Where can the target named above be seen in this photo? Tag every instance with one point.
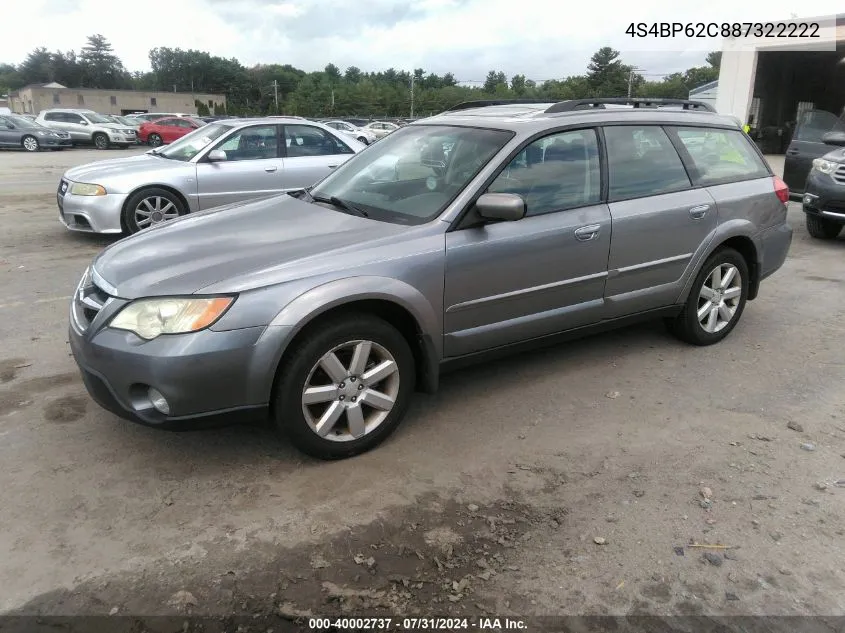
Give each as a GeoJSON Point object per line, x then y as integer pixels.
{"type": "Point", "coordinates": [821, 228]}
{"type": "Point", "coordinates": [362, 139]}
{"type": "Point", "coordinates": [344, 387]}
{"type": "Point", "coordinates": [150, 207]}
{"type": "Point", "coordinates": [30, 143]}
{"type": "Point", "coordinates": [716, 300]}
{"type": "Point", "coordinates": [101, 141]}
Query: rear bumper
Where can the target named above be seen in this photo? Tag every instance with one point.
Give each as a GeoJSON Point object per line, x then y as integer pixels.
{"type": "Point", "coordinates": [775, 243]}
{"type": "Point", "coordinates": [824, 197]}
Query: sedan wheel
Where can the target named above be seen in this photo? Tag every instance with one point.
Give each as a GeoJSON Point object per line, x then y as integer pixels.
{"type": "Point", "coordinates": [345, 386]}
{"type": "Point", "coordinates": [154, 140]}
{"type": "Point", "coordinates": [30, 144]}
{"type": "Point", "coordinates": [151, 207]}
{"type": "Point", "coordinates": [716, 300]}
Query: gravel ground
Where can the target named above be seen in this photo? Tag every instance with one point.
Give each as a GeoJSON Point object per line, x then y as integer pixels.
{"type": "Point", "coordinates": [574, 480]}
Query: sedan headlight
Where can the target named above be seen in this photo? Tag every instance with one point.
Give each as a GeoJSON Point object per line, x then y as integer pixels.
{"type": "Point", "coordinates": [824, 166]}
{"type": "Point", "coordinates": [148, 318]}
{"type": "Point", "coordinates": [87, 189]}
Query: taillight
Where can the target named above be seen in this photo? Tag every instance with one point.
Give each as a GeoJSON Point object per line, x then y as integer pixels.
{"type": "Point", "coordinates": [781, 190]}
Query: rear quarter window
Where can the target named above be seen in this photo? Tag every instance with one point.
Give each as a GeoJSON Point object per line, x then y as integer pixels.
{"type": "Point", "coordinates": [721, 155]}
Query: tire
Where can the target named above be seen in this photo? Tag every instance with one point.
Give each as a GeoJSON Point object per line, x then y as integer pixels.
{"type": "Point", "coordinates": [687, 327]}
{"type": "Point", "coordinates": [30, 143]}
{"type": "Point", "coordinates": [822, 229]}
{"type": "Point", "coordinates": [101, 141]}
{"type": "Point", "coordinates": [302, 366]}
{"type": "Point", "coordinates": [154, 140]}
{"type": "Point", "coordinates": [169, 208]}
{"type": "Point", "coordinates": [363, 140]}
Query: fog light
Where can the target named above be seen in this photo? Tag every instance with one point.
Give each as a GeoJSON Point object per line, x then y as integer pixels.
{"type": "Point", "coordinates": [159, 401]}
{"type": "Point", "coordinates": [809, 198]}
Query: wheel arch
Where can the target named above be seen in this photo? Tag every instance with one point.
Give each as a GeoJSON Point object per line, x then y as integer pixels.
{"type": "Point", "coordinates": [401, 305]}
{"type": "Point", "coordinates": [141, 188]}
{"type": "Point", "coordinates": [739, 238]}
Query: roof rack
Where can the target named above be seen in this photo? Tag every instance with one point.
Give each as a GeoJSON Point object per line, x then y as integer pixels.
{"type": "Point", "coordinates": [483, 103]}
{"type": "Point", "coordinates": [637, 102]}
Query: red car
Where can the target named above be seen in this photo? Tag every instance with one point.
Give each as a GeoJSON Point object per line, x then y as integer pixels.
{"type": "Point", "coordinates": [167, 130]}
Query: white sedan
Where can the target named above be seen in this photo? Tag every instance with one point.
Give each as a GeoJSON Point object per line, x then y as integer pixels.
{"type": "Point", "coordinates": [362, 135]}
{"type": "Point", "coordinates": [381, 128]}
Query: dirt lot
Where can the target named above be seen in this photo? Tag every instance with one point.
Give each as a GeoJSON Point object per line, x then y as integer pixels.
{"type": "Point", "coordinates": [568, 481]}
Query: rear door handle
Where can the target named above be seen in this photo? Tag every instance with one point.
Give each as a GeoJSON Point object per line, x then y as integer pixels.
{"type": "Point", "coordinates": [270, 169]}
{"type": "Point", "coordinates": [332, 166]}
{"type": "Point", "coordinates": [696, 213]}
{"type": "Point", "coordinates": [587, 233]}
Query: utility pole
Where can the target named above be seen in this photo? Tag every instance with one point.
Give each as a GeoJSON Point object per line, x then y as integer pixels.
{"type": "Point", "coordinates": [631, 79]}
{"type": "Point", "coordinates": [412, 95]}
{"type": "Point", "coordinates": [276, 93]}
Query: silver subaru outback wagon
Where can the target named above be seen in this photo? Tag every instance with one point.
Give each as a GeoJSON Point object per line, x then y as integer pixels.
{"type": "Point", "coordinates": [484, 229]}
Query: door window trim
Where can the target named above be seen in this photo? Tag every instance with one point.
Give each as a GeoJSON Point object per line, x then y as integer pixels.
{"type": "Point", "coordinates": [226, 137]}
{"type": "Point", "coordinates": [283, 147]}
{"type": "Point", "coordinates": [459, 223]}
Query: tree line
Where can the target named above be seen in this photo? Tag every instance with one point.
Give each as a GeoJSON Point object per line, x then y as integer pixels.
{"type": "Point", "coordinates": [284, 89]}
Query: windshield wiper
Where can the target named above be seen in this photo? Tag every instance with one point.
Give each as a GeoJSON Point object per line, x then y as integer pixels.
{"type": "Point", "coordinates": [341, 204]}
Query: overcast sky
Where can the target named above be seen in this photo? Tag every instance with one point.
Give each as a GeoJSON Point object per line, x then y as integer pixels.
{"type": "Point", "coordinates": [543, 39]}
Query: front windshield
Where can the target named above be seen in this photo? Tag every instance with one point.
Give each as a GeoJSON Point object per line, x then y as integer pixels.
{"type": "Point", "coordinates": [93, 117]}
{"type": "Point", "coordinates": [194, 142]}
{"type": "Point", "coordinates": [412, 175]}
{"type": "Point", "coordinates": [126, 120]}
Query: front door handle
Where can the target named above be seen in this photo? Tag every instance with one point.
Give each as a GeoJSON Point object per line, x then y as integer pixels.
{"type": "Point", "coordinates": [270, 170]}
{"type": "Point", "coordinates": [587, 233]}
{"type": "Point", "coordinates": [332, 166]}
{"type": "Point", "coordinates": [792, 152]}
{"type": "Point", "coordinates": [696, 213]}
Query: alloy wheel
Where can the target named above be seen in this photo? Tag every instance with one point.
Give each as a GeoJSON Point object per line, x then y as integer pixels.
{"type": "Point", "coordinates": [101, 142]}
{"type": "Point", "coordinates": [350, 391]}
{"type": "Point", "coordinates": [719, 298]}
{"type": "Point", "coordinates": [154, 210]}
{"type": "Point", "coordinates": [30, 144]}
{"type": "Point", "coordinates": [155, 140]}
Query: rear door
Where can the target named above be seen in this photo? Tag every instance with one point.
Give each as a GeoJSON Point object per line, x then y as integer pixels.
{"type": "Point", "coordinates": [659, 219]}
{"type": "Point", "coordinates": [511, 281]}
{"type": "Point", "coordinates": [310, 154]}
{"type": "Point", "coordinates": [806, 145]}
{"type": "Point", "coordinates": [252, 168]}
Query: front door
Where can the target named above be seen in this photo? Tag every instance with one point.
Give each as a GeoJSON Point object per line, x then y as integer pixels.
{"type": "Point", "coordinates": [9, 135]}
{"type": "Point", "coordinates": [806, 145]}
{"type": "Point", "coordinates": [511, 281]}
{"type": "Point", "coordinates": [252, 168]}
{"type": "Point", "coordinates": [659, 220]}
{"type": "Point", "coordinates": [311, 153]}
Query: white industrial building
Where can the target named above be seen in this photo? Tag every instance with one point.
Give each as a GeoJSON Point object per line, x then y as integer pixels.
{"type": "Point", "coordinates": [773, 80]}
{"type": "Point", "coordinates": [706, 93]}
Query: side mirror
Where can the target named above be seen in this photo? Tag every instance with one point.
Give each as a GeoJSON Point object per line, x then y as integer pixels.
{"type": "Point", "coordinates": [501, 206]}
{"type": "Point", "coordinates": [834, 138]}
{"type": "Point", "coordinates": [217, 156]}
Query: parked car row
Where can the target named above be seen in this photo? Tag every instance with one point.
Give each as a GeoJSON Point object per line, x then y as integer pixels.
{"type": "Point", "coordinates": [474, 232]}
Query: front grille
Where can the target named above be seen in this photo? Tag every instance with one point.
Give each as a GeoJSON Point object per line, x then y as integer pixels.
{"type": "Point", "coordinates": [839, 175]}
{"type": "Point", "coordinates": [87, 303]}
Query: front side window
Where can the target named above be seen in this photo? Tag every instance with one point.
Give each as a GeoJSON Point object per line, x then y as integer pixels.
{"type": "Point", "coordinates": [814, 124]}
{"type": "Point", "coordinates": [70, 117]}
{"type": "Point", "coordinates": [721, 155]}
{"type": "Point", "coordinates": [411, 176]}
{"type": "Point", "coordinates": [554, 173]}
{"type": "Point", "coordinates": [307, 140]}
{"type": "Point", "coordinates": [642, 162]}
{"type": "Point", "coordinates": [93, 117]}
{"type": "Point", "coordinates": [251, 143]}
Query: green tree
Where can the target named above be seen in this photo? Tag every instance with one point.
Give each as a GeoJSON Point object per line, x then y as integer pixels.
{"type": "Point", "coordinates": [494, 80]}
{"type": "Point", "coordinates": [37, 68]}
{"type": "Point", "coordinates": [607, 76]}
{"type": "Point", "coordinates": [100, 67]}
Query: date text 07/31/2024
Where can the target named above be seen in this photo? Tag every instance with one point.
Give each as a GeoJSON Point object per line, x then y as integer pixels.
{"type": "Point", "coordinates": [786, 30]}
{"type": "Point", "coordinates": [417, 623]}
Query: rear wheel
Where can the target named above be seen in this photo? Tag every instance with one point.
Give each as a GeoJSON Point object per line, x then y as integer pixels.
{"type": "Point", "coordinates": [150, 207]}
{"type": "Point", "coordinates": [30, 143]}
{"type": "Point", "coordinates": [154, 140]}
{"type": "Point", "coordinates": [101, 141]}
{"type": "Point", "coordinates": [363, 139]}
{"type": "Point", "coordinates": [822, 229]}
{"type": "Point", "coordinates": [344, 387]}
{"type": "Point", "coordinates": [716, 300]}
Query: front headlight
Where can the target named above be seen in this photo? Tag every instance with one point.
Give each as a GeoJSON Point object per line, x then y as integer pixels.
{"type": "Point", "coordinates": [824, 166]}
{"type": "Point", "coordinates": [87, 189]}
{"type": "Point", "coordinates": [148, 318]}
{"type": "Point", "coordinates": [42, 132]}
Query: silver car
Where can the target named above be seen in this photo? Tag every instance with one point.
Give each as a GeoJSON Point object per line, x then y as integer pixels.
{"type": "Point", "coordinates": [86, 127]}
{"type": "Point", "coordinates": [218, 164]}
{"type": "Point", "coordinates": [381, 128]}
{"type": "Point", "coordinates": [459, 237]}
{"type": "Point", "coordinates": [361, 134]}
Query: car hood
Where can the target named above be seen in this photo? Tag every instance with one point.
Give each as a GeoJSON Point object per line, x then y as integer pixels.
{"type": "Point", "coordinates": [240, 247]}
{"type": "Point", "coordinates": [837, 155]}
{"type": "Point", "coordinates": [101, 170]}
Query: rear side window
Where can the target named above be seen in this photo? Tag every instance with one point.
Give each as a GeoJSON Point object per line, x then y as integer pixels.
{"type": "Point", "coordinates": [307, 140]}
{"type": "Point", "coordinates": [52, 116]}
{"type": "Point", "coordinates": [642, 162]}
{"type": "Point", "coordinates": [721, 155]}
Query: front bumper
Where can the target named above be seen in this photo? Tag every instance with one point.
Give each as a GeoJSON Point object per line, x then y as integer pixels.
{"type": "Point", "coordinates": [824, 197]}
{"type": "Point", "coordinates": [208, 378]}
{"type": "Point", "coordinates": [52, 141]}
{"type": "Point", "coordinates": [90, 214]}
{"type": "Point", "coordinates": [123, 139]}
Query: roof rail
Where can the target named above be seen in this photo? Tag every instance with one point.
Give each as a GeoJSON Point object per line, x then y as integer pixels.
{"type": "Point", "coordinates": [483, 103]}
{"type": "Point", "coordinates": [636, 102]}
